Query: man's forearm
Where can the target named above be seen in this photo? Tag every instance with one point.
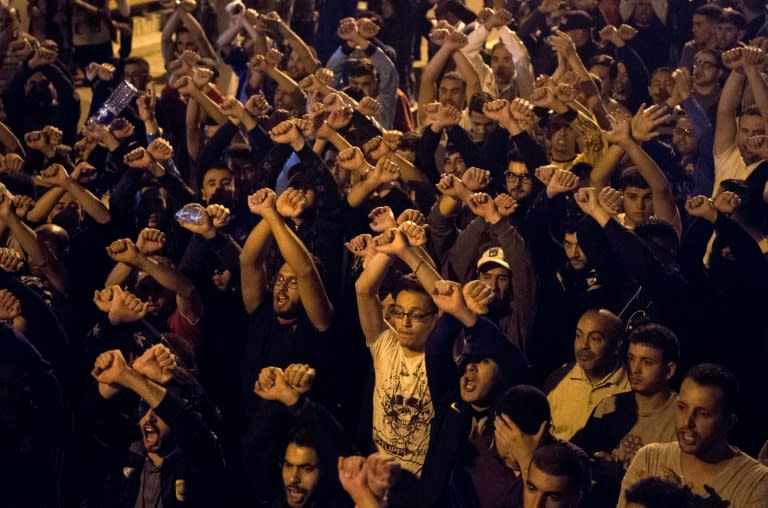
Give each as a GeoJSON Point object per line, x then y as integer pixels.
{"type": "Point", "coordinates": [152, 393]}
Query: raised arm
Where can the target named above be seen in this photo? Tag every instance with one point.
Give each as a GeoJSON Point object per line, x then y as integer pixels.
{"type": "Point", "coordinates": [38, 255]}
{"type": "Point", "coordinates": [9, 141]}
{"type": "Point", "coordinates": [405, 242]}
{"type": "Point", "coordinates": [431, 71]}
{"type": "Point", "coordinates": [187, 298]}
{"type": "Point", "coordinates": [754, 62]}
{"type": "Point", "coordinates": [166, 39]}
{"type": "Point", "coordinates": [369, 306]}
{"type": "Point", "coordinates": [468, 72]}
{"type": "Point", "coordinates": [311, 290]}
{"type": "Point", "coordinates": [198, 34]}
{"type": "Point", "coordinates": [253, 274]}
{"type": "Point", "coordinates": [521, 60]}
{"type": "Point", "coordinates": [195, 87]}
{"type": "Point", "coordinates": [664, 206]}
{"type": "Point", "coordinates": [56, 175]}
{"type": "Point", "coordinates": [309, 61]}
{"type": "Point", "coordinates": [730, 98]}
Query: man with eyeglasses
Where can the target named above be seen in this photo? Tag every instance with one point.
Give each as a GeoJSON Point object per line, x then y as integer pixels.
{"type": "Point", "coordinates": [286, 325]}
{"type": "Point", "coordinates": [707, 77]}
{"type": "Point", "coordinates": [402, 401]}
{"type": "Point", "coordinates": [693, 128]}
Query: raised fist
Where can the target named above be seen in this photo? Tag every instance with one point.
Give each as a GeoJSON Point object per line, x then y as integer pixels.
{"type": "Point", "coordinates": [150, 240]}
{"type": "Point", "coordinates": [10, 260]}
{"type": "Point", "coordinates": [261, 201]}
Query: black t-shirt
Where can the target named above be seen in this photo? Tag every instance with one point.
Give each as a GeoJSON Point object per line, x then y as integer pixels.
{"type": "Point", "coordinates": [271, 344]}
{"type": "Point", "coordinates": [268, 423]}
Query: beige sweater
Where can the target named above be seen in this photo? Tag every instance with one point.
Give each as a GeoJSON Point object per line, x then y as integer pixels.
{"type": "Point", "coordinates": [744, 482]}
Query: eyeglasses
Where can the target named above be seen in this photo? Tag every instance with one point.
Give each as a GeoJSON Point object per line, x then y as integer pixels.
{"type": "Point", "coordinates": [291, 282]}
{"type": "Point", "coordinates": [414, 315]}
{"type": "Point", "coordinates": [687, 133]}
{"type": "Point", "coordinates": [514, 177]}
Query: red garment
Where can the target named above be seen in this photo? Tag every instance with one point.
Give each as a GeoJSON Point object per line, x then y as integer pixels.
{"type": "Point", "coordinates": [181, 326]}
{"type": "Point", "coordinates": [403, 117]}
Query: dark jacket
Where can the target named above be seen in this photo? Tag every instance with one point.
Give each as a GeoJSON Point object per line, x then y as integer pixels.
{"type": "Point", "coordinates": [446, 479]}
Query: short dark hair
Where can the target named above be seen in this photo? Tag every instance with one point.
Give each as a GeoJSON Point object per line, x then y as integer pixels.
{"type": "Point", "coordinates": [733, 17]}
{"type": "Point", "coordinates": [478, 100]}
{"type": "Point", "coordinates": [631, 177]}
{"type": "Point", "coordinates": [554, 123]}
{"type": "Point", "coordinates": [564, 459]}
{"type": "Point", "coordinates": [659, 337]}
{"type": "Point", "coordinates": [372, 15]}
{"type": "Point", "coordinates": [408, 283]}
{"type": "Point", "coordinates": [657, 493]}
{"type": "Point", "coordinates": [357, 67]}
{"type": "Point", "coordinates": [752, 110]}
{"type": "Point", "coordinates": [714, 54]}
{"type": "Point", "coordinates": [607, 61]}
{"type": "Point", "coordinates": [711, 374]}
{"type": "Point", "coordinates": [660, 236]}
{"type": "Point", "coordinates": [137, 60]}
{"type": "Point", "coordinates": [354, 92]}
{"type": "Point", "coordinates": [661, 69]}
{"type": "Point", "coordinates": [711, 11]}
{"type": "Point", "coordinates": [527, 406]}
{"type": "Point", "coordinates": [752, 210]}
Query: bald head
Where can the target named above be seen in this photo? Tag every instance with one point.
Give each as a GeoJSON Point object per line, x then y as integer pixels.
{"type": "Point", "coordinates": [596, 344]}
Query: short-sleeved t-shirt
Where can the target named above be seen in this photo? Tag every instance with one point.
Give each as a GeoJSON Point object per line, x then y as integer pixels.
{"type": "Point", "coordinates": [743, 482]}
{"type": "Point", "coordinates": [730, 164]}
{"type": "Point", "coordinates": [657, 426]}
{"type": "Point", "coordinates": [402, 403]}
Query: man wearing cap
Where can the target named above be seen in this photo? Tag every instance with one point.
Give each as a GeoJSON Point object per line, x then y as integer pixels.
{"type": "Point", "coordinates": [504, 264]}
{"type": "Point", "coordinates": [534, 30]}
{"type": "Point", "coordinates": [578, 25]}
{"type": "Point", "coordinates": [654, 37]}
{"type": "Point", "coordinates": [461, 468]}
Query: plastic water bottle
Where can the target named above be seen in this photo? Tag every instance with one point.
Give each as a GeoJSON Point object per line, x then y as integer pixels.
{"type": "Point", "coordinates": [115, 103]}
{"type": "Point", "coordinates": [192, 213]}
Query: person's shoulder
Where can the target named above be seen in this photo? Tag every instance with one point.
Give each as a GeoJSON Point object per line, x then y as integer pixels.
{"type": "Point", "coordinates": [556, 377]}
{"type": "Point", "coordinates": [660, 450]}
{"type": "Point", "coordinates": [614, 403]}
{"type": "Point", "coordinates": [750, 476]}
{"type": "Point", "coordinates": [386, 340]}
{"type": "Point", "coordinates": [751, 465]}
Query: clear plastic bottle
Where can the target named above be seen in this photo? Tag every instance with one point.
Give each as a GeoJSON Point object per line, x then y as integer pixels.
{"type": "Point", "coordinates": [115, 103]}
{"type": "Point", "coordinates": [191, 213]}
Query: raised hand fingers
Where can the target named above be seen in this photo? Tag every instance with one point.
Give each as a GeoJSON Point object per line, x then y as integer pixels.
{"type": "Point", "coordinates": [412, 215]}
{"type": "Point", "coordinates": [415, 233]}
{"type": "Point", "coordinates": [359, 244]}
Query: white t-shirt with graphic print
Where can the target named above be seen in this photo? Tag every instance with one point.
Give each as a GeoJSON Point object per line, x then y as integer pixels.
{"type": "Point", "coordinates": [402, 404]}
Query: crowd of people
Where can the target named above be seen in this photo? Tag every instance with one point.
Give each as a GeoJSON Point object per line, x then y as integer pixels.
{"type": "Point", "coordinates": [529, 273]}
